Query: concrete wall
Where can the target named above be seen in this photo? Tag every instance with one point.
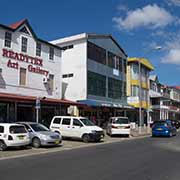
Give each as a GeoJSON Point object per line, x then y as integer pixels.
{"type": "Point", "coordinates": [74, 62]}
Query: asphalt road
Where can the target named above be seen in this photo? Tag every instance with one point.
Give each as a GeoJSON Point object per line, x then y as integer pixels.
{"type": "Point", "coordinates": [139, 159]}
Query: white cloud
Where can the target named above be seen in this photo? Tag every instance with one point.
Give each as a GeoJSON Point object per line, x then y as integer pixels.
{"type": "Point", "coordinates": [151, 16]}
{"type": "Point", "coordinates": [122, 8]}
{"type": "Point", "coordinates": [173, 57]}
{"type": "Point", "coordinates": [174, 2]}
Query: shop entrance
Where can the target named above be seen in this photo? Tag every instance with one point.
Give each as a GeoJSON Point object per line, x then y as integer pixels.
{"type": "Point", "coordinates": [3, 112]}
{"type": "Point", "coordinates": [25, 113]}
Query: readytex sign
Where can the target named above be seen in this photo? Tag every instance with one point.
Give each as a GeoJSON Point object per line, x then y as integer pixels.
{"type": "Point", "coordinates": [35, 63]}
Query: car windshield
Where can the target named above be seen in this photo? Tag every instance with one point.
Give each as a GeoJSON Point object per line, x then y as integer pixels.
{"type": "Point", "coordinates": [17, 129]}
{"type": "Point", "coordinates": [87, 122]}
{"type": "Point", "coordinates": [121, 121]}
{"type": "Point", "coordinates": [38, 127]}
{"type": "Point", "coordinates": [159, 123]}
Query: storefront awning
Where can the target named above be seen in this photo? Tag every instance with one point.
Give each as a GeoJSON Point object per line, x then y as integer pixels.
{"type": "Point", "coordinates": [98, 103]}
{"type": "Point", "coordinates": [22, 98]}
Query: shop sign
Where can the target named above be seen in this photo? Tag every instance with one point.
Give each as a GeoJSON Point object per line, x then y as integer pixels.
{"type": "Point", "coordinates": [35, 66]}
{"type": "Point", "coordinates": [132, 99]}
{"type": "Point", "coordinates": [38, 104]}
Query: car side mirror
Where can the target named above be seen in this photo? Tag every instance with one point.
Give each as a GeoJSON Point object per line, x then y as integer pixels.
{"type": "Point", "coordinates": [29, 130]}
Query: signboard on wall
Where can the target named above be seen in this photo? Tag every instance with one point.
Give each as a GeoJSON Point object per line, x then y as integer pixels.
{"type": "Point", "coordinates": [133, 100]}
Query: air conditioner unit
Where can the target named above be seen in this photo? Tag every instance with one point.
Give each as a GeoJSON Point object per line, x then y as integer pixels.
{"type": "Point", "coordinates": [45, 79]}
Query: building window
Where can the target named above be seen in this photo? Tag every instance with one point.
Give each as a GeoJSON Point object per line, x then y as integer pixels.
{"type": "Point", "coordinates": [8, 37]}
{"type": "Point", "coordinates": [124, 89]}
{"type": "Point", "coordinates": [67, 75]}
{"type": "Point", "coordinates": [96, 84]}
{"type": "Point", "coordinates": [114, 61]}
{"type": "Point", "coordinates": [67, 47]}
{"type": "Point", "coordinates": [24, 44]}
{"type": "Point", "coordinates": [24, 30]}
{"type": "Point", "coordinates": [96, 53]}
{"type": "Point", "coordinates": [134, 71]}
{"type": "Point", "coordinates": [124, 64]}
{"type": "Point", "coordinates": [51, 81]}
{"type": "Point", "coordinates": [38, 49]}
{"type": "Point", "coordinates": [51, 53]}
{"type": "Point", "coordinates": [135, 91]}
{"type": "Point", "coordinates": [22, 79]}
{"type": "Point", "coordinates": [115, 88]}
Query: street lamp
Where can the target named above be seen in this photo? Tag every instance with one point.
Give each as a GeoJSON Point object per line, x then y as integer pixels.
{"type": "Point", "coordinates": [139, 94]}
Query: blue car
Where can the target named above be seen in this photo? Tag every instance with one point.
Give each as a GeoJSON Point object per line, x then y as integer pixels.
{"type": "Point", "coordinates": [163, 128]}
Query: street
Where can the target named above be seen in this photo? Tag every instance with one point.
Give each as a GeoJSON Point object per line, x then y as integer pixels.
{"type": "Point", "coordinates": [139, 159]}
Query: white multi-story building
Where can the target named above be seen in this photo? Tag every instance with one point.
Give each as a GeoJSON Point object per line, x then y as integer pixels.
{"type": "Point", "coordinates": [30, 69]}
{"type": "Point", "coordinates": [28, 63]}
{"type": "Point", "coordinates": [94, 71]}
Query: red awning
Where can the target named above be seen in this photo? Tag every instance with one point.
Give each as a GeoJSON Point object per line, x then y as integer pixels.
{"type": "Point", "coordinates": [22, 98]}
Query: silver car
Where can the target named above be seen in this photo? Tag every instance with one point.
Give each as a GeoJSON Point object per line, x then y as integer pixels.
{"type": "Point", "coordinates": [41, 135]}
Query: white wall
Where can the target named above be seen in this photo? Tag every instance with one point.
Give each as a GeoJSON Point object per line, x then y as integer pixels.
{"type": "Point", "coordinates": [75, 61]}
{"type": "Point", "coordinates": [9, 78]}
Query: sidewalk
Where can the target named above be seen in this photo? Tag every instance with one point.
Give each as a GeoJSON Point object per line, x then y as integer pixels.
{"type": "Point", "coordinates": [144, 132]}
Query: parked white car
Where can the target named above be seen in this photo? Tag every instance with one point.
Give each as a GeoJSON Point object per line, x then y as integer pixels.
{"type": "Point", "coordinates": [76, 127]}
{"type": "Point", "coordinates": [13, 135]}
{"type": "Point", "coordinates": [118, 126]}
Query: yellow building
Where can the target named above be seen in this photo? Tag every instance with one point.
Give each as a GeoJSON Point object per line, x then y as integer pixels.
{"type": "Point", "coordinates": [138, 83]}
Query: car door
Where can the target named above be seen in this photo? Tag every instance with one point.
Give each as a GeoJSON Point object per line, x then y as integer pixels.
{"type": "Point", "coordinates": [65, 127]}
{"type": "Point", "coordinates": [77, 128]}
{"type": "Point", "coordinates": [55, 125]}
{"type": "Point", "coordinates": [28, 128]}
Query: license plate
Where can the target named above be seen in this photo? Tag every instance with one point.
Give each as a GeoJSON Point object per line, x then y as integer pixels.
{"type": "Point", "coordinates": [120, 127]}
{"type": "Point", "coordinates": [159, 129]}
{"type": "Point", "coordinates": [21, 137]}
{"type": "Point", "coordinates": [57, 142]}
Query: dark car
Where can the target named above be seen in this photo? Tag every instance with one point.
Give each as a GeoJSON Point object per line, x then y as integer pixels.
{"type": "Point", "coordinates": [176, 123]}
{"type": "Point", "coordinates": [163, 128]}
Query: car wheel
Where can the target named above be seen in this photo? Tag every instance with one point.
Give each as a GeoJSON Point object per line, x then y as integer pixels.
{"type": "Point", "coordinates": [36, 143]}
{"type": "Point", "coordinates": [86, 138]}
{"type": "Point", "coordinates": [3, 146]}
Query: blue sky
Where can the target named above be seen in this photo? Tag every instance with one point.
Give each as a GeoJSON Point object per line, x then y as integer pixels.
{"type": "Point", "coordinates": [138, 25]}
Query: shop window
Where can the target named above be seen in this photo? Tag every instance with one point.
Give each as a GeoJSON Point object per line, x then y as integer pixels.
{"type": "Point", "coordinates": [22, 79]}
{"type": "Point", "coordinates": [51, 53]}
{"type": "Point", "coordinates": [8, 38]}
{"type": "Point", "coordinates": [24, 42]}
{"type": "Point", "coordinates": [38, 49]}
{"type": "Point", "coordinates": [51, 82]}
